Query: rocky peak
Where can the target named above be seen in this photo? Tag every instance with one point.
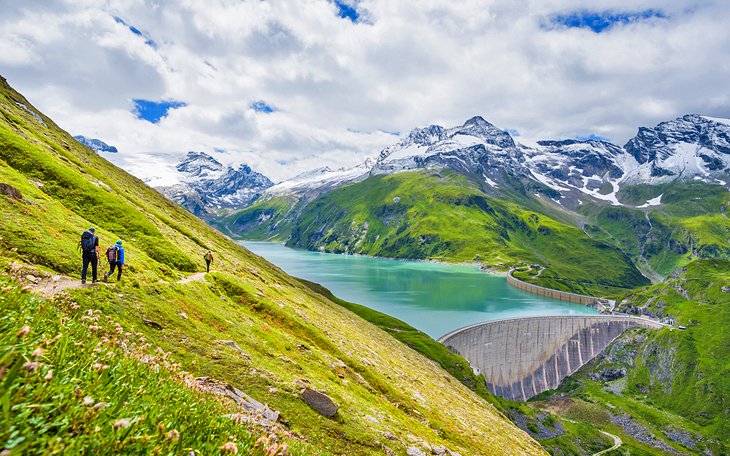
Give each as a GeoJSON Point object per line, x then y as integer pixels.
{"type": "Point", "coordinates": [658, 142]}
{"type": "Point", "coordinates": [199, 164]}
{"type": "Point", "coordinates": [426, 136]}
{"type": "Point", "coordinates": [480, 128]}
{"type": "Point", "coordinates": [96, 145]}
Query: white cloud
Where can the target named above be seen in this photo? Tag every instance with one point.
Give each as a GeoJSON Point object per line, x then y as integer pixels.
{"type": "Point", "coordinates": [338, 86]}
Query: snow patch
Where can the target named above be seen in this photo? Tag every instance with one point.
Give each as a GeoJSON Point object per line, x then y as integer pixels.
{"type": "Point", "coordinates": [653, 202]}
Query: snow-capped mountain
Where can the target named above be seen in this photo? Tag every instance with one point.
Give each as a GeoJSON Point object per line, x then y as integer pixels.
{"type": "Point", "coordinates": [322, 179]}
{"type": "Point", "coordinates": [566, 171]}
{"type": "Point", "coordinates": [96, 145]}
{"type": "Point", "coordinates": [206, 185]}
{"type": "Point", "coordinates": [688, 147]}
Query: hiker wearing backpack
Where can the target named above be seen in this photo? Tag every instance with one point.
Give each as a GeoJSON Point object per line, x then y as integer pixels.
{"type": "Point", "coordinates": [208, 259]}
{"type": "Point", "coordinates": [89, 254]}
{"type": "Point", "coordinates": [115, 256]}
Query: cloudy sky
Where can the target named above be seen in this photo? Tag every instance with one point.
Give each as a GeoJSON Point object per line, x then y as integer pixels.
{"type": "Point", "coordinates": [287, 86]}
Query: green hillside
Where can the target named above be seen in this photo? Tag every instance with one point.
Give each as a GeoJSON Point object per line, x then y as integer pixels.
{"type": "Point", "coordinates": [247, 324]}
{"type": "Point", "coordinates": [673, 383]}
{"type": "Point", "coordinates": [442, 216]}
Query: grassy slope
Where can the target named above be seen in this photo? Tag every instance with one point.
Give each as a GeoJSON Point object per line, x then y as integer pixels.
{"type": "Point", "coordinates": [691, 223]}
{"type": "Point", "coordinates": [578, 439]}
{"type": "Point", "coordinates": [289, 333]}
{"type": "Point", "coordinates": [678, 379]}
{"type": "Point", "coordinates": [264, 220]}
{"type": "Point", "coordinates": [444, 217]}
{"type": "Point", "coordinates": [44, 409]}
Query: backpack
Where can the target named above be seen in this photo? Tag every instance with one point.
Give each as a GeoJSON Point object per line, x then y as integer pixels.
{"type": "Point", "coordinates": [87, 242]}
{"type": "Point", "coordinates": [112, 254]}
{"type": "Point", "coordinates": [208, 256]}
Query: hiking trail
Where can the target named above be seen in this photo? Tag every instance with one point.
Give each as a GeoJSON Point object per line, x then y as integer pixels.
{"type": "Point", "coordinates": [197, 277]}
{"type": "Point", "coordinates": [616, 443]}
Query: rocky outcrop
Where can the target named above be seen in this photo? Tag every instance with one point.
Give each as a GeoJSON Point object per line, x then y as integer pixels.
{"type": "Point", "coordinates": [10, 191]}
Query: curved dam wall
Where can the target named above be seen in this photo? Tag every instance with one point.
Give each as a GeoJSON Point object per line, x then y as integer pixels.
{"type": "Point", "coordinates": [550, 293]}
{"type": "Point", "coordinates": [522, 357]}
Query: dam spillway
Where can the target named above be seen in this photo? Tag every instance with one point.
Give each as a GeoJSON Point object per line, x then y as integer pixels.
{"type": "Point", "coordinates": [522, 357]}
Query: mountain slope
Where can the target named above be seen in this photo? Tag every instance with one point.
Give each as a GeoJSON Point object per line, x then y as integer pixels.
{"type": "Point", "coordinates": [442, 216]}
{"type": "Point", "coordinates": [248, 324]}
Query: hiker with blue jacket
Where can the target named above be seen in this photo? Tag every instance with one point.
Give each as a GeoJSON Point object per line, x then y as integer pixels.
{"type": "Point", "coordinates": [115, 256]}
{"type": "Point", "coordinates": [89, 254]}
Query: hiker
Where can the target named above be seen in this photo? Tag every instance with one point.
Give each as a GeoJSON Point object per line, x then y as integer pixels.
{"type": "Point", "coordinates": [115, 256]}
{"type": "Point", "coordinates": [208, 259]}
{"type": "Point", "coordinates": [89, 254]}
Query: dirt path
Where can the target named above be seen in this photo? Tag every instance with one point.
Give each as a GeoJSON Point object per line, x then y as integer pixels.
{"type": "Point", "coordinates": [51, 286]}
{"type": "Point", "coordinates": [56, 284]}
{"type": "Point", "coordinates": [616, 443]}
{"type": "Point", "coordinates": [197, 277]}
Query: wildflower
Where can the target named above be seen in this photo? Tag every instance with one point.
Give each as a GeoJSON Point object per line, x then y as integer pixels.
{"type": "Point", "coordinates": [100, 367]}
{"type": "Point", "coordinates": [94, 327]}
{"type": "Point", "coordinates": [100, 405]}
{"type": "Point", "coordinates": [88, 401]}
{"type": "Point", "coordinates": [124, 422]}
{"type": "Point", "coordinates": [37, 353]}
{"type": "Point", "coordinates": [22, 332]}
{"type": "Point", "coordinates": [48, 342]}
{"type": "Point", "coordinates": [229, 448]}
{"type": "Point", "coordinates": [30, 366]}
{"type": "Point", "coordinates": [48, 375]}
{"type": "Point", "coordinates": [173, 435]}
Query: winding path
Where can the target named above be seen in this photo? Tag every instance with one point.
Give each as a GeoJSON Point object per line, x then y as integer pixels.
{"type": "Point", "coordinates": [49, 287]}
{"type": "Point", "coordinates": [616, 444]}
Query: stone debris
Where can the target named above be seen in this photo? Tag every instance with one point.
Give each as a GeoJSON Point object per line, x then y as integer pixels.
{"type": "Point", "coordinates": [641, 433]}
{"type": "Point", "coordinates": [10, 191]}
{"type": "Point", "coordinates": [320, 403]}
{"type": "Point", "coordinates": [247, 403]}
{"type": "Point", "coordinates": [234, 346]}
{"type": "Point", "coordinates": [414, 451]}
{"type": "Point", "coordinates": [390, 436]}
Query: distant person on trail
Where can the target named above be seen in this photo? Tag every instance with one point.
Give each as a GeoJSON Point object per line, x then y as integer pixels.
{"type": "Point", "coordinates": [115, 256]}
{"type": "Point", "coordinates": [208, 259]}
{"type": "Point", "coordinates": [89, 254]}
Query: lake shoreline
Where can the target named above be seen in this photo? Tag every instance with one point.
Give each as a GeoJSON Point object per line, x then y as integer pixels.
{"type": "Point", "coordinates": [432, 296]}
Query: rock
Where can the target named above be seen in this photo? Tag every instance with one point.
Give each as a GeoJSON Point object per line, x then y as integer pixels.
{"type": "Point", "coordinates": [414, 451]}
{"type": "Point", "coordinates": [183, 315]}
{"type": "Point", "coordinates": [239, 397]}
{"type": "Point", "coordinates": [388, 451]}
{"type": "Point", "coordinates": [390, 436]}
{"type": "Point", "coordinates": [32, 278]}
{"type": "Point", "coordinates": [152, 324]}
{"type": "Point", "coordinates": [321, 403]}
{"type": "Point", "coordinates": [56, 278]}
{"type": "Point", "coordinates": [438, 451]}
{"type": "Point", "coordinates": [10, 191]}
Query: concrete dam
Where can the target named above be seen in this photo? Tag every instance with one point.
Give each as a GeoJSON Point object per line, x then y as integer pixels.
{"type": "Point", "coordinates": [522, 357]}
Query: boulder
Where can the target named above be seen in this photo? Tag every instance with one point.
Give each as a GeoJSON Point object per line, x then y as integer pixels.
{"type": "Point", "coordinates": [10, 191]}
{"type": "Point", "coordinates": [152, 324]}
{"type": "Point", "coordinates": [321, 403]}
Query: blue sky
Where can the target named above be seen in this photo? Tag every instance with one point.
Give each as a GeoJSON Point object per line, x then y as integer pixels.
{"type": "Point", "coordinates": [153, 111]}
{"type": "Point", "coordinates": [290, 89]}
{"type": "Point", "coordinates": [601, 21]}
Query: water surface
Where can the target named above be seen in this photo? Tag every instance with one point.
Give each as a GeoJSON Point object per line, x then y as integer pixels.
{"type": "Point", "coordinates": [434, 298]}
